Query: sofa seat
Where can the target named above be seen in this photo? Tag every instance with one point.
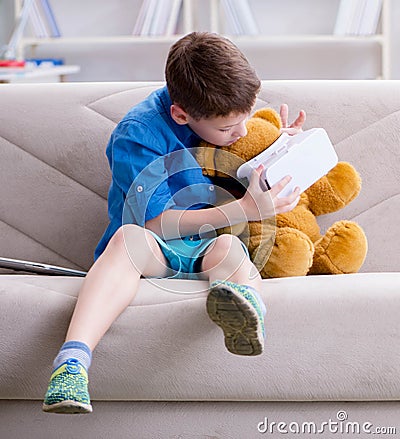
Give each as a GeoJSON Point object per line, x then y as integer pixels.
{"type": "Point", "coordinates": [329, 338]}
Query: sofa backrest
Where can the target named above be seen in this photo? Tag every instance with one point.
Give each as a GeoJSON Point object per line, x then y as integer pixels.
{"type": "Point", "coordinates": [54, 174]}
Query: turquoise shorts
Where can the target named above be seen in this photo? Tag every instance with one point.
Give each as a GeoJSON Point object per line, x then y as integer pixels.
{"type": "Point", "coordinates": [184, 255]}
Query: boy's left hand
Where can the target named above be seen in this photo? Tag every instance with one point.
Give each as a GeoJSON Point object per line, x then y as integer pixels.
{"type": "Point", "coordinates": [297, 126]}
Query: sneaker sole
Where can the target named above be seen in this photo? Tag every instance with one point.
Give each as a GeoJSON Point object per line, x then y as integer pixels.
{"type": "Point", "coordinates": [68, 407]}
{"type": "Point", "coordinates": [238, 320]}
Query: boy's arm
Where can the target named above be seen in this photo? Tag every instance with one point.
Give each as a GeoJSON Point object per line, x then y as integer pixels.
{"type": "Point", "coordinates": [136, 158]}
{"type": "Point", "coordinates": [255, 205]}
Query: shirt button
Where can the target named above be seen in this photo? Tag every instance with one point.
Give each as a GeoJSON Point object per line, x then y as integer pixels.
{"type": "Point", "coordinates": [139, 188]}
{"type": "Point", "coordinates": [211, 187]}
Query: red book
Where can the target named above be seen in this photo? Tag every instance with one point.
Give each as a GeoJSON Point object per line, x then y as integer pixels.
{"type": "Point", "coordinates": [11, 63]}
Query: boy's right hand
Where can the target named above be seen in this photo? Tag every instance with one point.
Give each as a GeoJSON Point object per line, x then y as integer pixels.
{"type": "Point", "coordinates": [258, 204]}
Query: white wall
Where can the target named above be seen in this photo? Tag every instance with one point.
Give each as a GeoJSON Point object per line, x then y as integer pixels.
{"type": "Point", "coordinates": [6, 20]}
{"type": "Point", "coordinates": [395, 39]}
{"type": "Point", "coordinates": [113, 62]}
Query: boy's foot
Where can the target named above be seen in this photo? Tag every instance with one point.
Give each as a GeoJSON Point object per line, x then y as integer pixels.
{"type": "Point", "coordinates": [239, 311]}
{"type": "Point", "coordinates": [68, 390]}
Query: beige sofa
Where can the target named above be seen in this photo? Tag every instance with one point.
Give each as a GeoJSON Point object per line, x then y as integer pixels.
{"type": "Point", "coordinates": [332, 347]}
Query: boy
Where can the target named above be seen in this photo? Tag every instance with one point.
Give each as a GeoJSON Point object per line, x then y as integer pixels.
{"type": "Point", "coordinates": [159, 202]}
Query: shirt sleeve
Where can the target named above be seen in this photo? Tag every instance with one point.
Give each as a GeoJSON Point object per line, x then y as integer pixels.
{"type": "Point", "coordinates": [137, 160]}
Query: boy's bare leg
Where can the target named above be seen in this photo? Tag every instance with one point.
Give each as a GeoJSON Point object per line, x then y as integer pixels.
{"type": "Point", "coordinates": [225, 259]}
{"type": "Point", "coordinates": [233, 302]}
{"type": "Point", "coordinates": [109, 287]}
{"type": "Point", "coordinates": [112, 282]}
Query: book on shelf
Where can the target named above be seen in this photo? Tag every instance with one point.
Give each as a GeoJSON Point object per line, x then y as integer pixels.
{"type": "Point", "coordinates": [161, 17]}
{"type": "Point", "coordinates": [357, 17]}
{"type": "Point", "coordinates": [37, 21]}
{"type": "Point", "coordinates": [173, 17]}
{"type": "Point", "coordinates": [9, 50]}
{"type": "Point", "coordinates": [43, 21]}
{"type": "Point", "coordinates": [372, 12]}
{"type": "Point", "coordinates": [157, 18]}
{"type": "Point", "coordinates": [239, 17]}
{"type": "Point", "coordinates": [151, 6]}
{"type": "Point", "coordinates": [50, 19]}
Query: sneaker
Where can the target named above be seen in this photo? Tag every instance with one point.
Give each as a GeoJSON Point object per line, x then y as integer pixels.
{"type": "Point", "coordinates": [68, 389]}
{"type": "Point", "coordinates": [239, 311]}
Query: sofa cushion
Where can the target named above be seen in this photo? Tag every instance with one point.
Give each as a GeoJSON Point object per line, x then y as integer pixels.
{"type": "Point", "coordinates": [328, 338]}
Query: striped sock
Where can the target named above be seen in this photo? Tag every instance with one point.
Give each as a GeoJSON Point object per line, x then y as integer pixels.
{"type": "Point", "coordinates": [74, 349]}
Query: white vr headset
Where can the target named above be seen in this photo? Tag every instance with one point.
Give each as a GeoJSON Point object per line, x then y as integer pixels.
{"type": "Point", "coordinates": [306, 157]}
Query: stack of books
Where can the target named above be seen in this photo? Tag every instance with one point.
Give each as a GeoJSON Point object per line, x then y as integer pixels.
{"type": "Point", "coordinates": [44, 24]}
{"type": "Point", "coordinates": [157, 17]}
{"type": "Point", "coordinates": [239, 18]}
{"type": "Point", "coordinates": [161, 17]}
{"type": "Point", "coordinates": [43, 20]}
{"type": "Point", "coordinates": [357, 17]}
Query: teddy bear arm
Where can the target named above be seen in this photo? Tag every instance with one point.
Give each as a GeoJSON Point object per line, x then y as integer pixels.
{"type": "Point", "coordinates": [335, 190]}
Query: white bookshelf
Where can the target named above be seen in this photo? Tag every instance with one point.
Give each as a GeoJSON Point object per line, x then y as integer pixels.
{"type": "Point", "coordinates": [27, 75]}
{"type": "Point", "coordinates": [378, 45]}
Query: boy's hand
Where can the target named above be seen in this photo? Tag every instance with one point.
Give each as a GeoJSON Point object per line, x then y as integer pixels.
{"type": "Point", "coordinates": [297, 126]}
{"type": "Point", "coordinates": [258, 205]}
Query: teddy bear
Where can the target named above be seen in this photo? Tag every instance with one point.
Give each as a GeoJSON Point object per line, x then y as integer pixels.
{"type": "Point", "coordinates": [290, 244]}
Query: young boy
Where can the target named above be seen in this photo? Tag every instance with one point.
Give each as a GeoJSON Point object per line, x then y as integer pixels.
{"type": "Point", "coordinates": [159, 202]}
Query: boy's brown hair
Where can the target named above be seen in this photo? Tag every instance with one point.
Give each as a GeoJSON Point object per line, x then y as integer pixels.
{"type": "Point", "coordinates": [208, 76]}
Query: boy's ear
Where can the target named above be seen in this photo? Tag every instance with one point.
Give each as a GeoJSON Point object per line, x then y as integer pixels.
{"type": "Point", "coordinates": [179, 115]}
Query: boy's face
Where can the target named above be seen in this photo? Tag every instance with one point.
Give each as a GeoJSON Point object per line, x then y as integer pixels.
{"type": "Point", "coordinates": [220, 131]}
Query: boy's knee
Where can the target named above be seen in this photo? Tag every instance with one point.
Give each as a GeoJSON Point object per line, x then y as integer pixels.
{"type": "Point", "coordinates": [131, 237]}
{"type": "Point", "coordinates": [137, 248]}
{"type": "Point", "coordinates": [123, 233]}
{"type": "Point", "coordinates": [226, 243]}
{"type": "Point", "coordinates": [226, 253]}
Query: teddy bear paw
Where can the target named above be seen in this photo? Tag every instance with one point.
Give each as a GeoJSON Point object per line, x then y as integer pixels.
{"type": "Point", "coordinates": [341, 250]}
{"type": "Point", "coordinates": [291, 255]}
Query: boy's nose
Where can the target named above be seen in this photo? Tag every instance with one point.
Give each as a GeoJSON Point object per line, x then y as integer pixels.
{"type": "Point", "coordinates": [241, 130]}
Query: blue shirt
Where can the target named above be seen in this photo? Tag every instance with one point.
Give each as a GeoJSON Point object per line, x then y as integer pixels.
{"type": "Point", "coordinates": [153, 167]}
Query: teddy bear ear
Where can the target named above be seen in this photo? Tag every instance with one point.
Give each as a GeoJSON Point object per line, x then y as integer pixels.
{"type": "Point", "coordinates": [205, 156]}
{"type": "Point", "coordinates": [270, 115]}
